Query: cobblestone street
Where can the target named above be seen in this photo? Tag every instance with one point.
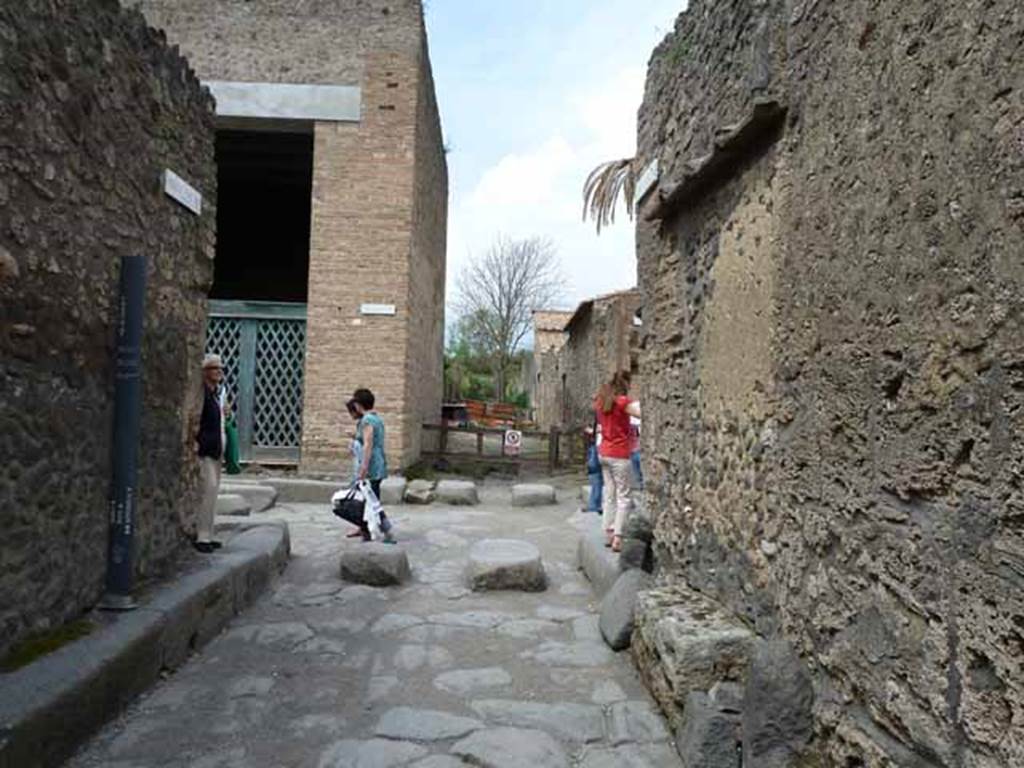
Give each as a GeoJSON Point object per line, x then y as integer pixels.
{"type": "Point", "coordinates": [321, 673]}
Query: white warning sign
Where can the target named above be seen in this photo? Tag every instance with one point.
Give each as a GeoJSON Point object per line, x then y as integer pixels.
{"type": "Point", "coordinates": [513, 442]}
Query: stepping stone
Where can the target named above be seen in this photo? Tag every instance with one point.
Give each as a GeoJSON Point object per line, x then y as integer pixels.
{"type": "Point", "coordinates": [392, 490]}
{"type": "Point", "coordinates": [618, 608]}
{"type": "Point", "coordinates": [419, 492]}
{"type": "Point", "coordinates": [457, 493]}
{"type": "Point", "coordinates": [233, 504]}
{"type": "Point", "coordinates": [512, 748]}
{"type": "Point", "coordinates": [260, 497]}
{"type": "Point", "coordinates": [408, 724]}
{"type": "Point", "coordinates": [528, 495]}
{"type": "Point", "coordinates": [375, 564]}
{"type": "Point", "coordinates": [496, 564]}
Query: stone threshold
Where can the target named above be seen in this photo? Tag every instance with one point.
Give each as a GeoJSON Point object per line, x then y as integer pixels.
{"type": "Point", "coordinates": [49, 707]}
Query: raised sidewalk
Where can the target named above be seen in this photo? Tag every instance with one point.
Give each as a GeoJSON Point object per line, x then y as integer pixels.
{"type": "Point", "coordinates": [52, 705]}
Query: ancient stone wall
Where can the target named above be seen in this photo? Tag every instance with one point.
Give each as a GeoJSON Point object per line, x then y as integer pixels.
{"type": "Point", "coordinates": [93, 107]}
{"type": "Point", "coordinates": [549, 338]}
{"type": "Point", "coordinates": [832, 284]}
{"type": "Point", "coordinates": [602, 340]}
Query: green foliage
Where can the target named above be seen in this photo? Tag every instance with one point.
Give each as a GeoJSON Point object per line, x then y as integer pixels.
{"type": "Point", "coordinates": [518, 398]}
{"type": "Point", "coordinates": [469, 367]}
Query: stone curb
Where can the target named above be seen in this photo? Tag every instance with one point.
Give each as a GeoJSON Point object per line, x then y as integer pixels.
{"type": "Point", "coordinates": [299, 491]}
{"type": "Point", "coordinates": [48, 708]}
{"type": "Point", "coordinates": [597, 561]}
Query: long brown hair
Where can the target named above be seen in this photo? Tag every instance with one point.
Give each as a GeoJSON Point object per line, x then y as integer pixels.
{"type": "Point", "coordinates": [616, 386]}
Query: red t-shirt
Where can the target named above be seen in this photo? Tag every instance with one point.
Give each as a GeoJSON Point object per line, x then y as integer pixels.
{"type": "Point", "coordinates": [616, 441]}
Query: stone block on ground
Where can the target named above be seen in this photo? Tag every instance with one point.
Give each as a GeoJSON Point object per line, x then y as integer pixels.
{"type": "Point", "coordinates": [392, 490]}
{"type": "Point", "coordinates": [260, 497]}
{"type": "Point", "coordinates": [684, 641]}
{"type": "Point", "coordinates": [619, 606]}
{"type": "Point", "coordinates": [233, 505]}
{"type": "Point", "coordinates": [457, 492]}
{"type": "Point", "coordinates": [496, 564]}
{"type": "Point", "coordinates": [375, 564]}
{"type": "Point", "coordinates": [533, 495]}
{"type": "Point", "coordinates": [598, 562]}
{"type": "Point", "coordinates": [419, 492]}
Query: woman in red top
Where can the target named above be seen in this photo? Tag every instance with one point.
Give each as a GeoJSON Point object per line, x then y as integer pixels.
{"type": "Point", "coordinates": [613, 408]}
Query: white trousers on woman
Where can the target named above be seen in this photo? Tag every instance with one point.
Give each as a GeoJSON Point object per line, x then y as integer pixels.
{"type": "Point", "coordinates": [617, 475]}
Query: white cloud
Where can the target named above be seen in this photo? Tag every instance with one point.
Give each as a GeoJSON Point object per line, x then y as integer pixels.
{"type": "Point", "coordinates": [537, 191]}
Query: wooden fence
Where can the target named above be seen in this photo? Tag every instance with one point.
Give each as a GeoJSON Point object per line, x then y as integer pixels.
{"type": "Point", "coordinates": [553, 449]}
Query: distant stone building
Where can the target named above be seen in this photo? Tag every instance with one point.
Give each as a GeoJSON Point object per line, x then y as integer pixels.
{"type": "Point", "coordinates": [549, 338]}
{"type": "Point", "coordinates": [576, 351]}
{"type": "Point", "coordinates": [94, 107]}
{"type": "Point", "coordinates": [331, 216]}
{"type": "Point", "coordinates": [833, 295]}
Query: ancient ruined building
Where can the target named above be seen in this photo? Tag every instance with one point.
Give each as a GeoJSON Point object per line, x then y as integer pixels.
{"type": "Point", "coordinates": [832, 270]}
{"type": "Point", "coordinates": [331, 216]}
{"type": "Point", "coordinates": [94, 106]}
{"type": "Point", "coordinates": [574, 352]}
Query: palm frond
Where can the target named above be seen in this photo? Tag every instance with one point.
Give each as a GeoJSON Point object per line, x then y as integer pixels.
{"type": "Point", "coordinates": [602, 188]}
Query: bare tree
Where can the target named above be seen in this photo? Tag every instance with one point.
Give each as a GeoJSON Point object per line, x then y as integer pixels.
{"type": "Point", "coordinates": [497, 293]}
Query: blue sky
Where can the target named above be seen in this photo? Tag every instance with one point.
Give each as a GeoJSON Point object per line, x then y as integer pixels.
{"type": "Point", "coordinates": [533, 94]}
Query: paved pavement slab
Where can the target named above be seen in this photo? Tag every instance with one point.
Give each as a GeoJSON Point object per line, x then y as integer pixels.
{"type": "Point", "coordinates": [427, 674]}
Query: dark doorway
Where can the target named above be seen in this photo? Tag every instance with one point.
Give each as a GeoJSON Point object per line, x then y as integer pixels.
{"type": "Point", "coordinates": [264, 186]}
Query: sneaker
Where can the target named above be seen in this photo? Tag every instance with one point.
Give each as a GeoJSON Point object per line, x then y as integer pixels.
{"type": "Point", "coordinates": [206, 547]}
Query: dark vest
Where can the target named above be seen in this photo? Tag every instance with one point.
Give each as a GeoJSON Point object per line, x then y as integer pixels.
{"type": "Point", "coordinates": [209, 437]}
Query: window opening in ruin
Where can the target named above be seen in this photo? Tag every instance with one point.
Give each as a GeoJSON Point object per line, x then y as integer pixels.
{"type": "Point", "coordinates": [264, 186]}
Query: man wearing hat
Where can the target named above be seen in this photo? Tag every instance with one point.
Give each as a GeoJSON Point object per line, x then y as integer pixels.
{"type": "Point", "coordinates": [210, 441]}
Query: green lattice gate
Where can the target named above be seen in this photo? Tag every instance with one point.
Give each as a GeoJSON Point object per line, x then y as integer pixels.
{"type": "Point", "coordinates": [263, 345]}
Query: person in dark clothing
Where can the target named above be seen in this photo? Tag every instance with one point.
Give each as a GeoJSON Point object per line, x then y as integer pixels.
{"type": "Point", "coordinates": [210, 442]}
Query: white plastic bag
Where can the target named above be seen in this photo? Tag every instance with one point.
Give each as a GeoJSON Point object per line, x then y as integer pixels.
{"type": "Point", "coordinates": [371, 510]}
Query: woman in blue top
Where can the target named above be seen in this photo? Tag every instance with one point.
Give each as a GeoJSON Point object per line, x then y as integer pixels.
{"type": "Point", "coordinates": [370, 432]}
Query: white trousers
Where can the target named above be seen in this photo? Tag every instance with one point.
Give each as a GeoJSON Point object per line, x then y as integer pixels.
{"type": "Point", "coordinates": [209, 481]}
{"type": "Point", "coordinates": [615, 506]}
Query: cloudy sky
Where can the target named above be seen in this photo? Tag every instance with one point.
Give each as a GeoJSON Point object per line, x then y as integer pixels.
{"type": "Point", "coordinates": [533, 95]}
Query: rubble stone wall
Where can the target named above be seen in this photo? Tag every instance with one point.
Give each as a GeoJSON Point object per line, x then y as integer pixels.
{"type": "Point", "coordinates": [834, 375]}
{"type": "Point", "coordinates": [602, 340]}
{"type": "Point", "coordinates": [93, 107]}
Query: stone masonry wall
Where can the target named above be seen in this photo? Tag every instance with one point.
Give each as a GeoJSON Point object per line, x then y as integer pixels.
{"type": "Point", "coordinates": [424, 374]}
{"type": "Point", "coordinates": [602, 340]}
{"type": "Point", "coordinates": [93, 107]}
{"type": "Point", "coordinates": [549, 338]}
{"type": "Point", "coordinates": [379, 199]}
{"type": "Point", "coordinates": [834, 375]}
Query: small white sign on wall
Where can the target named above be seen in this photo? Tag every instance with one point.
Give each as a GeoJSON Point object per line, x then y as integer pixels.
{"type": "Point", "coordinates": [647, 181]}
{"type": "Point", "coordinates": [377, 309]}
{"type": "Point", "coordinates": [178, 189]}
